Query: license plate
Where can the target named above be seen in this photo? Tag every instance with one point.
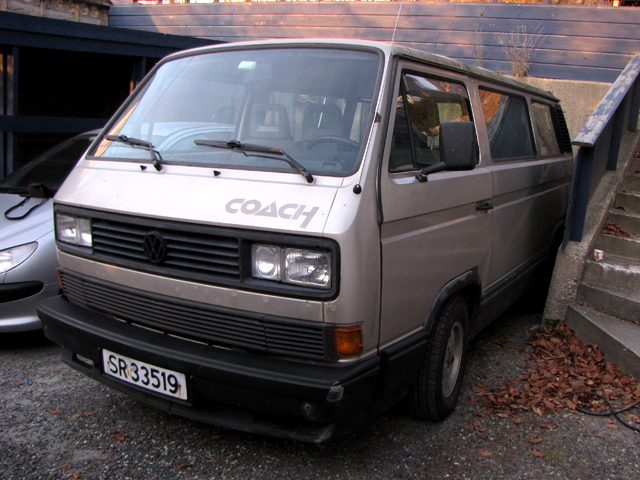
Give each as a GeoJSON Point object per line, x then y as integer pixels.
{"type": "Point", "coordinates": [145, 375]}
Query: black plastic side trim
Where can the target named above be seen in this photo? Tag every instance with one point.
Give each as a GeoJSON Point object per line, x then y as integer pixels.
{"type": "Point", "coordinates": [500, 296]}
{"type": "Point", "coordinates": [468, 278]}
{"type": "Point", "coordinates": [10, 292]}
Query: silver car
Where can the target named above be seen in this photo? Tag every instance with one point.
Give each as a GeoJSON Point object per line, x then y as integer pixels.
{"type": "Point", "coordinates": [27, 244]}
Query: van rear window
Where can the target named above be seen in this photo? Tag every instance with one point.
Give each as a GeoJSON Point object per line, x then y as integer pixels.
{"type": "Point", "coordinates": [543, 118]}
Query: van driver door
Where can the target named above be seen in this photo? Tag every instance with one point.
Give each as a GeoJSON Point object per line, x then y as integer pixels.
{"type": "Point", "coordinates": [436, 230]}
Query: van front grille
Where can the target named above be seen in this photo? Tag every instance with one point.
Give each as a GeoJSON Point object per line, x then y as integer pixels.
{"type": "Point", "coordinates": [205, 254]}
{"type": "Point", "coordinates": [214, 325]}
{"type": "Point", "coordinates": [187, 253]}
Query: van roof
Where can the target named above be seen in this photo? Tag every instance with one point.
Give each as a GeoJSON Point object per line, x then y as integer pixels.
{"type": "Point", "coordinates": [478, 72]}
{"type": "Point", "coordinates": [392, 50]}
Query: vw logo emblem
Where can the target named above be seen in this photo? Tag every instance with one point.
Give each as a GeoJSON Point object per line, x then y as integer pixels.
{"type": "Point", "coordinates": [155, 247]}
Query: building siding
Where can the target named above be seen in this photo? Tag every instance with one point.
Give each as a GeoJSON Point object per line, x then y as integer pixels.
{"type": "Point", "coordinates": [571, 42]}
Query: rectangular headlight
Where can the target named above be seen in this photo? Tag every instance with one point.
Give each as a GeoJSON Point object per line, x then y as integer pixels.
{"type": "Point", "coordinates": [73, 230]}
{"type": "Point", "coordinates": [310, 268]}
{"type": "Point", "coordinates": [291, 265]}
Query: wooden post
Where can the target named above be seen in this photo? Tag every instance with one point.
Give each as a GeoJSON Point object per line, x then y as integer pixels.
{"type": "Point", "coordinates": [584, 174]}
{"type": "Point", "coordinates": [635, 107]}
{"type": "Point", "coordinates": [616, 136]}
{"type": "Point", "coordinates": [138, 71]}
{"type": "Point", "coordinates": [8, 106]}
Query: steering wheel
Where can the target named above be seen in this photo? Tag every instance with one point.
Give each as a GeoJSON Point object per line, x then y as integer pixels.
{"type": "Point", "coordinates": [331, 139]}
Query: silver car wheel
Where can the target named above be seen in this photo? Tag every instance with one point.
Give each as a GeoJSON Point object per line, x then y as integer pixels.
{"type": "Point", "coordinates": [452, 359]}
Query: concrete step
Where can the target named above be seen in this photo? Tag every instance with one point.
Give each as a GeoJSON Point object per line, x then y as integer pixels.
{"type": "Point", "coordinates": [630, 202]}
{"type": "Point", "coordinates": [627, 221]}
{"type": "Point", "coordinates": [635, 165]}
{"type": "Point", "coordinates": [618, 340]}
{"type": "Point", "coordinates": [615, 271]}
{"type": "Point", "coordinates": [618, 302]}
{"type": "Point", "coordinates": [631, 183]}
{"type": "Point", "coordinates": [620, 246]}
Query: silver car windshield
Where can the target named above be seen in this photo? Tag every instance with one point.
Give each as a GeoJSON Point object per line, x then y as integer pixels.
{"type": "Point", "coordinates": [312, 103]}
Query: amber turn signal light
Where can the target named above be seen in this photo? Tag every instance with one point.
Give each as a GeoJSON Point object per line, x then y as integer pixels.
{"type": "Point", "coordinates": [347, 341]}
{"type": "Point", "coordinates": [59, 280]}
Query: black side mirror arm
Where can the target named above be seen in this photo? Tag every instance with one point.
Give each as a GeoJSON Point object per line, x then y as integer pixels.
{"type": "Point", "coordinates": [436, 167]}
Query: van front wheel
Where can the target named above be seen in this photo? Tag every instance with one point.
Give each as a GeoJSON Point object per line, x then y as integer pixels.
{"type": "Point", "coordinates": [437, 388]}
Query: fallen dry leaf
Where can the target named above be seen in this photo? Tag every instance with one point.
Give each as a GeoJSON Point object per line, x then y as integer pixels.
{"type": "Point", "coordinates": [54, 412]}
{"type": "Point", "coordinates": [612, 426]}
{"type": "Point", "coordinates": [534, 440]}
{"type": "Point", "coordinates": [183, 466]}
{"type": "Point", "coordinates": [599, 435]}
{"type": "Point", "coordinates": [484, 453]}
{"type": "Point", "coordinates": [120, 438]}
{"type": "Point", "coordinates": [66, 466]}
{"type": "Point", "coordinates": [536, 453]}
{"type": "Point", "coordinates": [76, 415]}
{"type": "Point", "coordinates": [88, 414]}
{"type": "Point", "coordinates": [613, 229]}
{"type": "Point", "coordinates": [559, 367]}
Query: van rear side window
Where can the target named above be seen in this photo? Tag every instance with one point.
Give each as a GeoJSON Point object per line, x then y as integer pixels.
{"type": "Point", "coordinates": [508, 126]}
{"type": "Point", "coordinates": [423, 104]}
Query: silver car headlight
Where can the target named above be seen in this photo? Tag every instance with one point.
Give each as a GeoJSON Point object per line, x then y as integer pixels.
{"type": "Point", "coordinates": [14, 256]}
{"type": "Point", "coordinates": [73, 230]}
{"type": "Point", "coordinates": [309, 268]}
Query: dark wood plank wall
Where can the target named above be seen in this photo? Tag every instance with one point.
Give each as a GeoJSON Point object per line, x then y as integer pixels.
{"type": "Point", "coordinates": [571, 42]}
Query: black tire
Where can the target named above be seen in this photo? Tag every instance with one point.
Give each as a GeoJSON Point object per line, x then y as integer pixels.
{"type": "Point", "coordinates": [437, 388]}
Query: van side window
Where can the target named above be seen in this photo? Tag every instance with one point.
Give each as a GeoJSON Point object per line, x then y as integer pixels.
{"type": "Point", "coordinates": [422, 105]}
{"type": "Point", "coordinates": [542, 116]}
{"type": "Point", "coordinates": [508, 126]}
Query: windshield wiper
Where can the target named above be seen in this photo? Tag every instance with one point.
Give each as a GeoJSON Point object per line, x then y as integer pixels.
{"type": "Point", "coordinates": [248, 148]}
{"type": "Point", "coordinates": [156, 158]}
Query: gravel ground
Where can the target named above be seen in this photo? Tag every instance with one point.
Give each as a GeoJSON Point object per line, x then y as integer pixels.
{"type": "Point", "coordinates": [57, 424]}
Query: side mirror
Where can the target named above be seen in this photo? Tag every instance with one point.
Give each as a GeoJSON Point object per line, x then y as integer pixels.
{"type": "Point", "coordinates": [458, 145]}
{"type": "Point", "coordinates": [458, 149]}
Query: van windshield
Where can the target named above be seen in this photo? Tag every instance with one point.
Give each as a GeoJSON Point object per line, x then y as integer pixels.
{"type": "Point", "coordinates": [312, 103]}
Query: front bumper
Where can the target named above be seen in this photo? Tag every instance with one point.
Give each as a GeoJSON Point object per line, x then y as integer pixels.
{"type": "Point", "coordinates": [246, 391]}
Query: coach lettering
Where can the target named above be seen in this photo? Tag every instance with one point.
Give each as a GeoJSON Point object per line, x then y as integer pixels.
{"type": "Point", "coordinates": [289, 211]}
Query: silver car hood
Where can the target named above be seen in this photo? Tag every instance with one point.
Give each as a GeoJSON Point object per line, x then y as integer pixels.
{"type": "Point", "coordinates": [29, 229]}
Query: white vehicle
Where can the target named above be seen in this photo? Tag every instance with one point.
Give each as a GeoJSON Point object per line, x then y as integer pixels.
{"type": "Point", "coordinates": [289, 237]}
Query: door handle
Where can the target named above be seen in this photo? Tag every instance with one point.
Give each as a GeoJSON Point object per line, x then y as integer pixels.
{"type": "Point", "coordinates": [485, 206]}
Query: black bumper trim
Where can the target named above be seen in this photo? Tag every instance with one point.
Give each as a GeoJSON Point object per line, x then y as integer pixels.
{"type": "Point", "coordinates": [250, 392]}
{"type": "Point", "coordinates": [10, 292]}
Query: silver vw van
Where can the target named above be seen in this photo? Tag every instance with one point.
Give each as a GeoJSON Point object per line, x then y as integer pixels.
{"type": "Point", "coordinates": [289, 237]}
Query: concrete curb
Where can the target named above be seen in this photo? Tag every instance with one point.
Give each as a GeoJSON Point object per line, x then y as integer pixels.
{"type": "Point", "coordinates": [617, 338]}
